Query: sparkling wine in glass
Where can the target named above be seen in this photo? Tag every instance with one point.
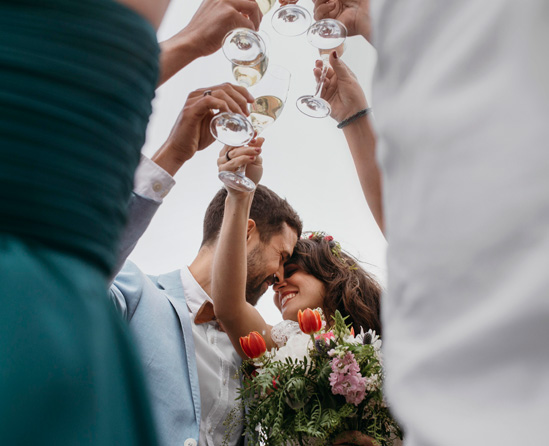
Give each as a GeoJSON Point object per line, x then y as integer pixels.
{"type": "Point", "coordinates": [327, 35]}
{"type": "Point", "coordinates": [270, 96]}
{"type": "Point", "coordinates": [265, 5]}
{"type": "Point", "coordinates": [264, 111]}
{"type": "Point", "coordinates": [246, 50]}
{"type": "Point", "coordinates": [248, 74]}
{"type": "Point", "coordinates": [291, 20]}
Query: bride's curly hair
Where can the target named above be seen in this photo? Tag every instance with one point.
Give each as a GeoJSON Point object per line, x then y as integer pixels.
{"type": "Point", "coordinates": [348, 287]}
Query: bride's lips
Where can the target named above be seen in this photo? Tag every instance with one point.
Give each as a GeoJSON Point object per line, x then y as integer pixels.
{"type": "Point", "coordinates": [286, 296]}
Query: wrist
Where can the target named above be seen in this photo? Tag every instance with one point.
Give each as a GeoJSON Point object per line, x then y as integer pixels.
{"type": "Point", "coordinates": [238, 201]}
{"type": "Point", "coordinates": [169, 158]}
{"type": "Point", "coordinates": [176, 53]}
{"type": "Point", "coordinates": [352, 118]}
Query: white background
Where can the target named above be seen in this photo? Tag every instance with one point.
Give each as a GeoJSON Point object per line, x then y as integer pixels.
{"type": "Point", "coordinates": [306, 160]}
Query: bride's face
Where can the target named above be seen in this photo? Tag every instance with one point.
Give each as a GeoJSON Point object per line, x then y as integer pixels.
{"type": "Point", "coordinates": [296, 291]}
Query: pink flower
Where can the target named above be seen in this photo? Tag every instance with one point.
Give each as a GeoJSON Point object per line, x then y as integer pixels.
{"type": "Point", "coordinates": [325, 336]}
{"type": "Point", "coordinates": [346, 379]}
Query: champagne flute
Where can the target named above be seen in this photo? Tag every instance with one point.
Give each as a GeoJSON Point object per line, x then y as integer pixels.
{"type": "Point", "coordinates": [327, 35]}
{"type": "Point", "coordinates": [246, 50]}
{"type": "Point", "coordinates": [270, 97]}
{"type": "Point", "coordinates": [265, 5]}
{"type": "Point", "coordinates": [291, 20]}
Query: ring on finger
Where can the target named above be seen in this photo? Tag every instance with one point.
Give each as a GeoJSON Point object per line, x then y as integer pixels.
{"type": "Point", "coordinates": [207, 93]}
{"type": "Point", "coordinates": [227, 155]}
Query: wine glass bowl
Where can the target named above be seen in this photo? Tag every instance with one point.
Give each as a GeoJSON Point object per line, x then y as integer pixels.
{"type": "Point", "coordinates": [270, 97]}
{"type": "Point", "coordinates": [327, 34]}
{"type": "Point", "coordinates": [246, 50]}
{"type": "Point", "coordinates": [291, 20]}
{"type": "Point", "coordinates": [243, 44]}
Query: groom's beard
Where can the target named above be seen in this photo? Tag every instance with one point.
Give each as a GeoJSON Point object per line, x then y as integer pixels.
{"type": "Point", "coordinates": [257, 280]}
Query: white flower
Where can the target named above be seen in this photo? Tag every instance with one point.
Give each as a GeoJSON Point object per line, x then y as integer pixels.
{"type": "Point", "coordinates": [373, 383]}
{"type": "Point", "coordinates": [297, 347]}
{"type": "Point", "coordinates": [375, 339]}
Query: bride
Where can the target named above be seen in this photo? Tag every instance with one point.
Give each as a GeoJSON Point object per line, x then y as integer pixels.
{"type": "Point", "coordinates": [318, 274]}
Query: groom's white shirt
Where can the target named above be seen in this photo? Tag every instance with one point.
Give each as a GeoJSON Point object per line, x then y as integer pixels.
{"type": "Point", "coordinates": [217, 362]}
{"type": "Point", "coordinates": [461, 93]}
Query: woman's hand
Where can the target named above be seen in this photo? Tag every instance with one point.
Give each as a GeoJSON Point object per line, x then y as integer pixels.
{"type": "Point", "coordinates": [231, 158]}
{"type": "Point", "coordinates": [191, 131]}
{"type": "Point", "coordinates": [341, 89]}
{"type": "Point", "coordinates": [353, 438]}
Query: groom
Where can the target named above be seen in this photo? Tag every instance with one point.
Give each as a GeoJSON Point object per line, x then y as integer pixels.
{"type": "Point", "coordinates": [189, 362]}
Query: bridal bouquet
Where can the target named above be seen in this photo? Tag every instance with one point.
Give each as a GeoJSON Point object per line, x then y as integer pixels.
{"type": "Point", "coordinates": [323, 382]}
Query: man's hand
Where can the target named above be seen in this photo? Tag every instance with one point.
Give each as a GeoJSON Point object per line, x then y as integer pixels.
{"type": "Point", "coordinates": [205, 32]}
{"type": "Point", "coordinates": [248, 156]}
{"type": "Point", "coordinates": [341, 89]}
{"type": "Point", "coordinates": [191, 131]}
{"type": "Point", "coordinates": [354, 14]}
{"type": "Point", "coordinates": [215, 18]}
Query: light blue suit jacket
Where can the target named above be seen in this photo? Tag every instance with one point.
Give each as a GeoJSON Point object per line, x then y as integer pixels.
{"type": "Point", "coordinates": [157, 312]}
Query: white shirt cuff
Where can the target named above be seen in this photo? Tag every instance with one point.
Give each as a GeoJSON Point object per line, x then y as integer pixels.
{"type": "Point", "coordinates": [151, 181]}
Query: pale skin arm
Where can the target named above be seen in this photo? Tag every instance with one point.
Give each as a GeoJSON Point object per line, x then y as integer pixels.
{"type": "Point", "coordinates": [342, 90]}
{"type": "Point", "coordinates": [228, 291]}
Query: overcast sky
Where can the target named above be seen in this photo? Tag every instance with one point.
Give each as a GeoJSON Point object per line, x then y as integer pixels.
{"type": "Point", "coordinates": [306, 160]}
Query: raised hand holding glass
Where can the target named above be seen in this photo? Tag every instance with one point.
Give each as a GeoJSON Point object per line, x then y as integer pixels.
{"type": "Point", "coordinates": [270, 97]}
{"type": "Point", "coordinates": [327, 35]}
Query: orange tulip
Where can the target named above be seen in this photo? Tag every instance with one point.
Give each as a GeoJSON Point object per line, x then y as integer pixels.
{"type": "Point", "coordinates": [309, 320]}
{"type": "Point", "coordinates": [253, 345]}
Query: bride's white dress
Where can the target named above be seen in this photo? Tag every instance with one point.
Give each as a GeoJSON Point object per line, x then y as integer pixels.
{"type": "Point", "coordinates": [281, 332]}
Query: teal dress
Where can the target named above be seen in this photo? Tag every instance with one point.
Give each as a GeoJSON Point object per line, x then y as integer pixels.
{"type": "Point", "coordinates": [76, 82]}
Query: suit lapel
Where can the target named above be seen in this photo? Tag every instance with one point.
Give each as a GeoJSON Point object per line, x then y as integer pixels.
{"type": "Point", "coordinates": [171, 284]}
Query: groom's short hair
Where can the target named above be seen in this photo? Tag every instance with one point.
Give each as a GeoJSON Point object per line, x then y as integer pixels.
{"type": "Point", "coordinates": [268, 210]}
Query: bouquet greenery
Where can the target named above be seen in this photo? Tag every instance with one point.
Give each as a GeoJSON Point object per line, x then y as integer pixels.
{"type": "Point", "coordinates": [323, 382]}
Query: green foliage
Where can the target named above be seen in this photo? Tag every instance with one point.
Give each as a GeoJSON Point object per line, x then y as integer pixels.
{"type": "Point", "coordinates": [290, 402]}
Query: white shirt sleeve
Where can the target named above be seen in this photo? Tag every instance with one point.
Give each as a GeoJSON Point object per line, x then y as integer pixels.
{"type": "Point", "coordinates": [151, 181]}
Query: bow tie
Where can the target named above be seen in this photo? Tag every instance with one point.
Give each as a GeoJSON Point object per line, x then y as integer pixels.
{"type": "Point", "coordinates": [206, 314]}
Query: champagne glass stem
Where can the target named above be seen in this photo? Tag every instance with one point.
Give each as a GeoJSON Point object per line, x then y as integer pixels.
{"type": "Point", "coordinates": [325, 66]}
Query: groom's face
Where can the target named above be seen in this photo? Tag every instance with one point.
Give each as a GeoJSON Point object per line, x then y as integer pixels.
{"type": "Point", "coordinates": [267, 259]}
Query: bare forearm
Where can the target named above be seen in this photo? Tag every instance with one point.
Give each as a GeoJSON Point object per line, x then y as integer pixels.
{"type": "Point", "coordinates": [229, 275]}
{"type": "Point", "coordinates": [361, 140]}
{"type": "Point", "coordinates": [230, 261]}
{"type": "Point", "coordinates": [170, 160]}
{"type": "Point", "coordinates": [177, 53]}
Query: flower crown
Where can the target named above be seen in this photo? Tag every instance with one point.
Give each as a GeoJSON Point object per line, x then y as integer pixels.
{"type": "Point", "coordinates": [319, 235]}
{"type": "Point", "coordinates": [334, 245]}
